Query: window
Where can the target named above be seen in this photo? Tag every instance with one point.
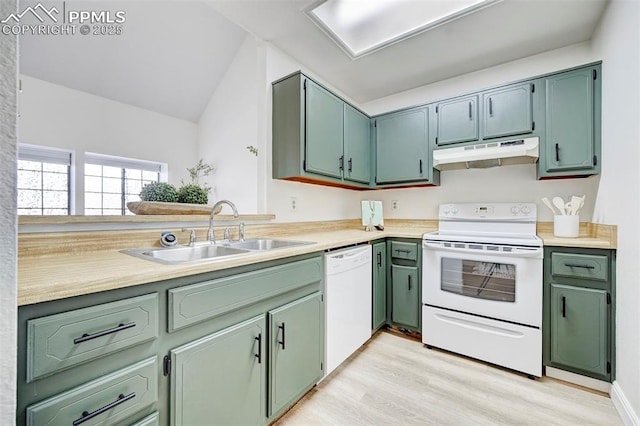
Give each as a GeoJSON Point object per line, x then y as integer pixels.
{"type": "Point", "coordinates": [43, 180]}
{"type": "Point", "coordinates": [111, 182]}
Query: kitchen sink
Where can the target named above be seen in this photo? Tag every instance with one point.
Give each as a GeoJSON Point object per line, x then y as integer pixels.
{"type": "Point", "coordinates": [206, 251]}
{"type": "Point", "coordinates": [266, 244]}
{"type": "Point", "coordinates": [177, 255]}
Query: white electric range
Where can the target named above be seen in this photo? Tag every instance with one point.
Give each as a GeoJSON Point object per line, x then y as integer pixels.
{"type": "Point", "coordinates": [482, 284]}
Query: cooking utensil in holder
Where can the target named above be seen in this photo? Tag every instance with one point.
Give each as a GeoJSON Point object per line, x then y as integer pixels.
{"type": "Point", "coordinates": [566, 226]}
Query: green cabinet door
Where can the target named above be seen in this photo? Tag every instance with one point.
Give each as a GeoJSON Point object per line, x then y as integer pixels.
{"type": "Point", "coordinates": [379, 309]}
{"type": "Point", "coordinates": [569, 136]}
{"type": "Point", "coordinates": [324, 131]}
{"type": "Point", "coordinates": [296, 350]}
{"type": "Point", "coordinates": [579, 329]}
{"type": "Point", "coordinates": [405, 295]}
{"type": "Point", "coordinates": [457, 120]}
{"type": "Point", "coordinates": [220, 379]}
{"type": "Point", "coordinates": [507, 111]}
{"type": "Point", "coordinates": [401, 146]}
{"type": "Point", "coordinates": [357, 145]}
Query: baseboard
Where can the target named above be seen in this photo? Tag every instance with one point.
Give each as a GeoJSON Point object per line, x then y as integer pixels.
{"type": "Point", "coordinates": [578, 379]}
{"type": "Point", "coordinates": [624, 408]}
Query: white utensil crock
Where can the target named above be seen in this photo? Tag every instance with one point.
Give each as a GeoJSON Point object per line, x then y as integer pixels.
{"type": "Point", "coordinates": [566, 226]}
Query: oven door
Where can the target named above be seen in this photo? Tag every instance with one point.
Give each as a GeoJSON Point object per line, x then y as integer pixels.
{"type": "Point", "coordinates": [500, 285]}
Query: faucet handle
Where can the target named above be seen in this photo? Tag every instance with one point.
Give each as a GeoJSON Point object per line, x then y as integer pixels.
{"type": "Point", "coordinates": [192, 235]}
{"type": "Point", "coordinates": [241, 231]}
{"type": "Point", "coordinates": [227, 233]}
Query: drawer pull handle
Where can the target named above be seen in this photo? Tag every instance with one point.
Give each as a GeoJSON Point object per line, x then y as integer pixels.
{"type": "Point", "coordinates": [259, 354]}
{"type": "Point", "coordinates": [282, 342]}
{"type": "Point", "coordinates": [572, 265]}
{"type": "Point", "coordinates": [89, 415]}
{"type": "Point", "coordinates": [87, 336]}
{"type": "Point", "coordinates": [403, 251]}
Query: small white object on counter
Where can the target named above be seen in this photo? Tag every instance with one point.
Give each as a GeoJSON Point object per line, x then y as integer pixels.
{"type": "Point", "coordinates": [566, 226]}
{"type": "Point", "coordinates": [372, 214]}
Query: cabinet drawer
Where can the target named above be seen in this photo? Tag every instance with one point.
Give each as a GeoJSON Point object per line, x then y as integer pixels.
{"type": "Point", "coordinates": [400, 250]}
{"type": "Point", "coordinates": [151, 420]}
{"type": "Point", "coordinates": [576, 265]}
{"type": "Point", "coordinates": [199, 302]}
{"type": "Point", "coordinates": [106, 400]}
{"type": "Point", "coordinates": [60, 341]}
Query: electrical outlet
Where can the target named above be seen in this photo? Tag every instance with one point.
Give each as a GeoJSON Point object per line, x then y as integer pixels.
{"type": "Point", "coordinates": [293, 205]}
{"type": "Point", "coordinates": [394, 204]}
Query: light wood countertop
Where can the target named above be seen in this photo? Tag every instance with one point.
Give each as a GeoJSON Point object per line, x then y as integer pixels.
{"type": "Point", "coordinates": [90, 262]}
{"type": "Point", "coordinates": [57, 276]}
{"type": "Point", "coordinates": [591, 235]}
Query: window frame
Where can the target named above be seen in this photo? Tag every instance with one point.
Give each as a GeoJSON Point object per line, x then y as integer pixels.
{"type": "Point", "coordinates": [51, 155]}
{"type": "Point", "coordinates": [122, 163]}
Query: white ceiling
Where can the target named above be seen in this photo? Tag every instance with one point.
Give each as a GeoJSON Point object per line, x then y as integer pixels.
{"type": "Point", "coordinates": [172, 54]}
{"type": "Point", "coordinates": [506, 31]}
{"type": "Point", "coordinates": [169, 58]}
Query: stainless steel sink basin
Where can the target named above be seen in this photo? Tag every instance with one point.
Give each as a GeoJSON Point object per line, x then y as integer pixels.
{"type": "Point", "coordinates": [177, 255]}
{"type": "Point", "coordinates": [266, 244]}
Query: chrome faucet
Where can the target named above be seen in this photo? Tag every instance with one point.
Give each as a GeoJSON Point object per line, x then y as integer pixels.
{"type": "Point", "coordinates": [192, 236]}
{"type": "Point", "coordinates": [210, 235]}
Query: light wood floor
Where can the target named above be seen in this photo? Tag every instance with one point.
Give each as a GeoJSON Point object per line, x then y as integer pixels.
{"type": "Point", "coordinates": [393, 380]}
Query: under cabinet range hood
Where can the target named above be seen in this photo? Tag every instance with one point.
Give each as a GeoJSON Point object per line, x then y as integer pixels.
{"type": "Point", "coordinates": [490, 154]}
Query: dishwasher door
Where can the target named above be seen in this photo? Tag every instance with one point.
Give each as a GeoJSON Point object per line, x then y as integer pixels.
{"type": "Point", "coordinates": [348, 303]}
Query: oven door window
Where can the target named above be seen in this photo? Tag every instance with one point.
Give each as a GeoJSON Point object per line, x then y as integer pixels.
{"type": "Point", "coordinates": [482, 280]}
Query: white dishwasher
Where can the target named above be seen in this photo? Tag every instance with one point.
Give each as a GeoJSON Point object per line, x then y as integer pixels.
{"type": "Point", "coordinates": [347, 304]}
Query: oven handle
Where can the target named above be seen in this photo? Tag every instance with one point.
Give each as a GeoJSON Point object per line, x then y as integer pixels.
{"type": "Point", "coordinates": [537, 252]}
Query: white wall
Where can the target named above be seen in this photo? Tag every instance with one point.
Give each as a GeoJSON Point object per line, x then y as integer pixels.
{"type": "Point", "coordinates": [499, 184]}
{"type": "Point", "coordinates": [8, 244]}
{"type": "Point", "coordinates": [56, 116]}
{"type": "Point", "coordinates": [228, 125]}
{"type": "Point", "coordinates": [617, 40]}
{"type": "Point", "coordinates": [314, 202]}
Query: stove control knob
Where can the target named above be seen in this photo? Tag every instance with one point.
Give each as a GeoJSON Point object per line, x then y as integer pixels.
{"type": "Point", "coordinates": [526, 209]}
{"type": "Point", "coordinates": [515, 210]}
{"type": "Point", "coordinates": [455, 210]}
{"type": "Point", "coordinates": [446, 210]}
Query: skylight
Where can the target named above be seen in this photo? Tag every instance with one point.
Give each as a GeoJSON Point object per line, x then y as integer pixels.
{"type": "Point", "coordinates": [360, 27]}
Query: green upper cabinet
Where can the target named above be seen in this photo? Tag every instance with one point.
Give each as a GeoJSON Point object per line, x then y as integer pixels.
{"type": "Point", "coordinates": [507, 111]}
{"type": "Point", "coordinates": [317, 137]}
{"type": "Point", "coordinates": [572, 138]}
{"type": "Point", "coordinates": [357, 145]}
{"type": "Point", "coordinates": [379, 300]}
{"type": "Point", "coordinates": [324, 131]}
{"type": "Point", "coordinates": [457, 120]}
{"type": "Point", "coordinates": [579, 329]}
{"type": "Point", "coordinates": [402, 153]}
{"type": "Point", "coordinates": [296, 350]}
{"type": "Point", "coordinates": [220, 379]}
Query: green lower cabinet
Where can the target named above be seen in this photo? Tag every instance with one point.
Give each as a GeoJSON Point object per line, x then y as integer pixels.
{"type": "Point", "coordinates": [379, 291]}
{"type": "Point", "coordinates": [220, 379]}
{"type": "Point", "coordinates": [296, 348]}
{"type": "Point", "coordinates": [579, 311]}
{"type": "Point", "coordinates": [107, 400]}
{"type": "Point", "coordinates": [579, 324]}
{"type": "Point", "coordinates": [406, 296]}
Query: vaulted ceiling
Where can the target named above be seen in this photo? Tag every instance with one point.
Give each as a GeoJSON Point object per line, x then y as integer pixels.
{"type": "Point", "coordinates": [172, 54]}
